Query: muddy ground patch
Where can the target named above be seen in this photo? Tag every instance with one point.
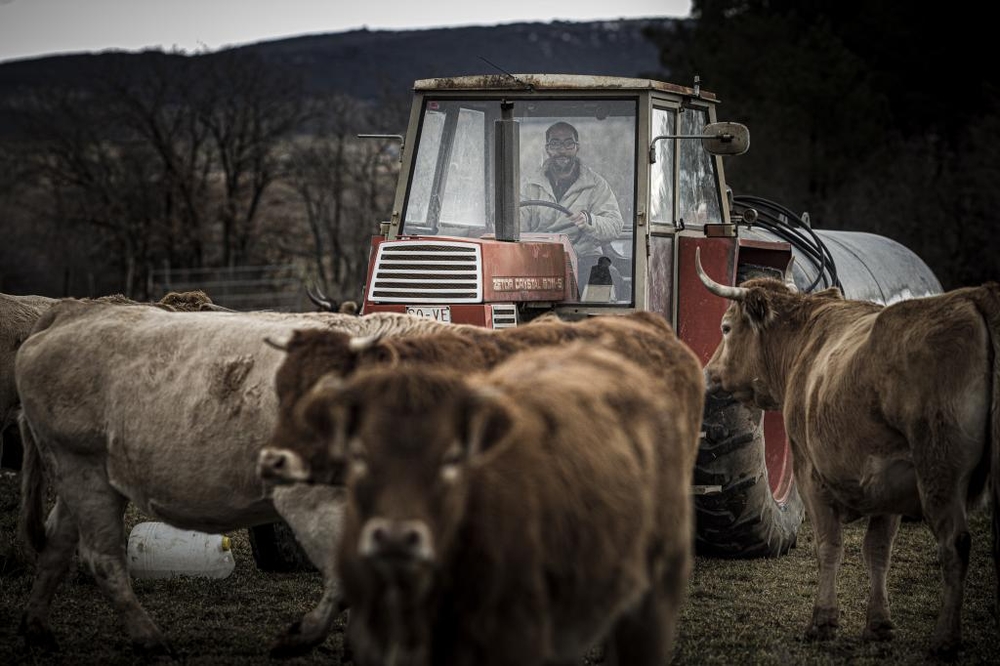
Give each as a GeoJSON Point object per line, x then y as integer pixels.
{"type": "Point", "coordinates": [738, 611]}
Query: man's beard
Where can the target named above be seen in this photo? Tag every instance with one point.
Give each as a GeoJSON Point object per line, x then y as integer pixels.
{"type": "Point", "coordinates": [561, 167]}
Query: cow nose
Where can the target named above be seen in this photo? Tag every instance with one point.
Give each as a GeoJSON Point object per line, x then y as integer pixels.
{"type": "Point", "coordinates": [713, 383]}
{"type": "Point", "coordinates": [408, 539]}
{"type": "Point", "coordinates": [282, 466]}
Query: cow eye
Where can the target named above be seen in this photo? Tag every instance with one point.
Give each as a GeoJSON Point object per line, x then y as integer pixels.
{"type": "Point", "coordinates": [356, 458]}
{"type": "Point", "coordinates": [451, 463]}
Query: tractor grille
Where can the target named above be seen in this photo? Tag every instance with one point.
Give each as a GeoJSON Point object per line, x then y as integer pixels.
{"type": "Point", "coordinates": [504, 315]}
{"type": "Point", "coordinates": [427, 272]}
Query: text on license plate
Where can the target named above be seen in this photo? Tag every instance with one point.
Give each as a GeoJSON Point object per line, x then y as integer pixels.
{"type": "Point", "coordinates": [437, 313]}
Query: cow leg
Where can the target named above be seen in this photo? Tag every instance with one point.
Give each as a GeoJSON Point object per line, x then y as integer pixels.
{"type": "Point", "coordinates": [102, 547]}
{"type": "Point", "coordinates": [316, 516]}
{"type": "Point", "coordinates": [53, 562]}
{"type": "Point", "coordinates": [949, 525]}
{"type": "Point", "coordinates": [829, 553]}
{"type": "Point", "coordinates": [945, 456]}
{"type": "Point", "coordinates": [645, 635]}
{"type": "Point", "coordinates": [877, 552]}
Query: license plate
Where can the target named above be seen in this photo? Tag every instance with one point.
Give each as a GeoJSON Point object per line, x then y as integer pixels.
{"type": "Point", "coordinates": [437, 313]}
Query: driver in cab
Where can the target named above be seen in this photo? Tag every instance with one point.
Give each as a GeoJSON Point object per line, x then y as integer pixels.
{"type": "Point", "coordinates": [564, 179]}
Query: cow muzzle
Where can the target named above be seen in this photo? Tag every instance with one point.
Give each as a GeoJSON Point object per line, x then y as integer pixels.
{"type": "Point", "coordinates": [280, 466]}
{"type": "Point", "coordinates": [399, 541]}
{"type": "Point", "coordinates": [713, 382]}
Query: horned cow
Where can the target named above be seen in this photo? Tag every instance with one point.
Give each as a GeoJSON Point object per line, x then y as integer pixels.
{"type": "Point", "coordinates": [548, 500]}
{"type": "Point", "coordinates": [167, 410]}
{"type": "Point", "coordinates": [889, 410]}
{"type": "Point", "coordinates": [297, 450]}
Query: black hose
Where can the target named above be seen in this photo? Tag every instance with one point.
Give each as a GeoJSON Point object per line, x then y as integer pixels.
{"type": "Point", "coordinates": [788, 226]}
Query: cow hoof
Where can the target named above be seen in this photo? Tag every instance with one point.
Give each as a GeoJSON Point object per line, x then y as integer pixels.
{"type": "Point", "coordinates": [291, 643]}
{"type": "Point", "coordinates": [824, 624]}
{"type": "Point", "coordinates": [821, 632]}
{"type": "Point", "coordinates": [881, 630]}
{"type": "Point", "coordinates": [37, 635]}
{"type": "Point", "coordinates": [152, 648]}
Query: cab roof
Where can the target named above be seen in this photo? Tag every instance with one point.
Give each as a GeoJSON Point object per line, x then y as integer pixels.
{"type": "Point", "coordinates": [524, 82]}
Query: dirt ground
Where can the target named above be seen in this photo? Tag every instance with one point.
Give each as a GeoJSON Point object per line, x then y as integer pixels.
{"type": "Point", "coordinates": [738, 612]}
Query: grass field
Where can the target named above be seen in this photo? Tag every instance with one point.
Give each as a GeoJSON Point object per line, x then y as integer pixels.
{"type": "Point", "coordinates": [738, 612]}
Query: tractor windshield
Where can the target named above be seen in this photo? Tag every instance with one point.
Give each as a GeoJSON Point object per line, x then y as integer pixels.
{"type": "Point", "coordinates": [577, 177]}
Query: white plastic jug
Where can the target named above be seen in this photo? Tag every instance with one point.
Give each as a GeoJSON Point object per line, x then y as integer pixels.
{"type": "Point", "coordinates": [158, 550]}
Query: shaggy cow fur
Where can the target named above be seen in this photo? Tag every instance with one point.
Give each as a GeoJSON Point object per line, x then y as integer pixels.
{"type": "Point", "coordinates": [297, 451]}
{"type": "Point", "coordinates": [516, 517]}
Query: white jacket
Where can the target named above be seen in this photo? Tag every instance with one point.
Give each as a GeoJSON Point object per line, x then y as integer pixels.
{"type": "Point", "coordinates": [590, 193]}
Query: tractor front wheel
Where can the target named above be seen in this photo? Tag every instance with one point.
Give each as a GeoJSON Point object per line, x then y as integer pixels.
{"type": "Point", "coordinates": [747, 504]}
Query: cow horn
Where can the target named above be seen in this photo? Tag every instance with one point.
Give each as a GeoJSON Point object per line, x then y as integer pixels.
{"type": "Point", "coordinates": [362, 343]}
{"type": "Point", "coordinates": [732, 293]}
{"type": "Point", "coordinates": [271, 342]}
{"type": "Point", "coordinates": [319, 298]}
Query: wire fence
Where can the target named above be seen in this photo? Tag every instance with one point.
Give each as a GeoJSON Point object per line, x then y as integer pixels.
{"type": "Point", "coordinates": [275, 287]}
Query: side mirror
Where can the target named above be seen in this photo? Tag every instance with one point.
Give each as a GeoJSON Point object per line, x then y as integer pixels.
{"type": "Point", "coordinates": [726, 138]}
{"type": "Point", "coordinates": [717, 139]}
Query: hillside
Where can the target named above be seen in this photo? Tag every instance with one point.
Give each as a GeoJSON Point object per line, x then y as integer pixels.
{"type": "Point", "coordinates": [366, 63]}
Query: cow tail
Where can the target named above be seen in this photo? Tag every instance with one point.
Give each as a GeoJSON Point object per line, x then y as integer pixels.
{"type": "Point", "coordinates": [994, 326]}
{"type": "Point", "coordinates": [988, 302]}
{"type": "Point", "coordinates": [33, 485]}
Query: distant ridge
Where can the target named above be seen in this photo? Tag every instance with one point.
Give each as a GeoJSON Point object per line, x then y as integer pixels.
{"type": "Point", "coordinates": [366, 63]}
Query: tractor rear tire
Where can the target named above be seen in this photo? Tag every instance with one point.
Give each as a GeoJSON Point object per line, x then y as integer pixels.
{"type": "Point", "coordinates": [741, 518]}
{"type": "Point", "coordinates": [275, 549]}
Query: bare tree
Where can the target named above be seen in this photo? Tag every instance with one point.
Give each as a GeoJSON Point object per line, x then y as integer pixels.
{"type": "Point", "coordinates": [344, 186]}
{"type": "Point", "coordinates": [249, 110]}
{"type": "Point", "coordinates": [97, 180]}
{"type": "Point", "coordinates": [156, 107]}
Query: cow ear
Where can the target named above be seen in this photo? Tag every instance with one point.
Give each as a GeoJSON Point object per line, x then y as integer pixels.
{"type": "Point", "coordinates": [385, 354]}
{"type": "Point", "coordinates": [487, 421]}
{"type": "Point", "coordinates": [757, 307]}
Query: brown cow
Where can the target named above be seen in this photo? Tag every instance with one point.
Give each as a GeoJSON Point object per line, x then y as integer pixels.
{"type": "Point", "coordinates": [296, 452]}
{"type": "Point", "coordinates": [516, 517]}
{"type": "Point", "coordinates": [890, 410]}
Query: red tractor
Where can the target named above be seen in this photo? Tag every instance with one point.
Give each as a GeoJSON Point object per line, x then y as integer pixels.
{"type": "Point", "coordinates": [478, 236]}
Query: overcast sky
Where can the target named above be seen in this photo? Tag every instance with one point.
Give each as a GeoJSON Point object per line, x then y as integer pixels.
{"type": "Point", "coordinates": [45, 27]}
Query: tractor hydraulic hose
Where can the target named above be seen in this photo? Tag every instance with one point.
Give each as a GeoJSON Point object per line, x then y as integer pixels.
{"type": "Point", "coordinates": [788, 226]}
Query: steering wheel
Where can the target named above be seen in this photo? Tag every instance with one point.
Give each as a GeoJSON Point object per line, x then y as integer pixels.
{"type": "Point", "coordinates": [546, 204]}
{"type": "Point", "coordinates": [607, 249]}
{"type": "Point", "coordinates": [557, 229]}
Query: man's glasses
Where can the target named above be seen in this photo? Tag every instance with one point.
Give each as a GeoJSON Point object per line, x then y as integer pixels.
{"type": "Point", "coordinates": [565, 144]}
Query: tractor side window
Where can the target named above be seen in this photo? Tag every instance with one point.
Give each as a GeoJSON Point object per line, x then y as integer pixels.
{"type": "Point", "coordinates": [448, 186]}
{"type": "Point", "coordinates": [419, 200]}
{"type": "Point", "coordinates": [661, 195]}
{"type": "Point", "coordinates": [698, 190]}
{"type": "Point", "coordinates": [463, 203]}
